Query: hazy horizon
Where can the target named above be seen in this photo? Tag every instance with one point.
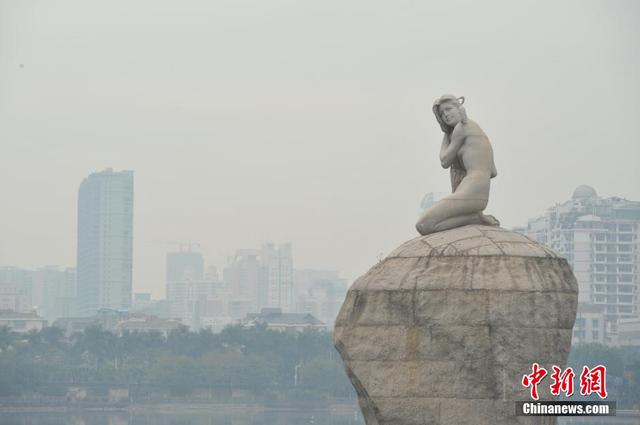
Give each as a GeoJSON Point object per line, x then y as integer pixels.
{"type": "Point", "coordinates": [246, 122]}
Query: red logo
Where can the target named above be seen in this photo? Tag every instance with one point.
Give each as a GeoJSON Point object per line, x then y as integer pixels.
{"type": "Point", "coordinates": [537, 374]}
{"type": "Point", "coordinates": [594, 381]}
{"type": "Point", "coordinates": [562, 381]}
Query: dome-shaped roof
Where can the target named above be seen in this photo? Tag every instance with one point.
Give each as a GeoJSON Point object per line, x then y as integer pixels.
{"type": "Point", "coordinates": [584, 192]}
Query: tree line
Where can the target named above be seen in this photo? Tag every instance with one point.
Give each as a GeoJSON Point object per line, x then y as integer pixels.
{"type": "Point", "coordinates": [256, 359]}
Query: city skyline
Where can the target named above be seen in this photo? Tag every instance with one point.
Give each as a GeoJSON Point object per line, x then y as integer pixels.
{"type": "Point", "coordinates": [220, 262]}
{"type": "Point", "coordinates": [251, 122]}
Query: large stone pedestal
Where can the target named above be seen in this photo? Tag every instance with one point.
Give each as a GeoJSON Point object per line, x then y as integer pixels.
{"type": "Point", "coordinates": [443, 329]}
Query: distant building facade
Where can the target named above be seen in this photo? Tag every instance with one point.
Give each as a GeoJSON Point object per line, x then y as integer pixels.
{"type": "Point", "coordinates": [105, 241]}
{"type": "Point", "coordinates": [246, 279]}
{"type": "Point", "coordinates": [260, 278]}
{"type": "Point", "coordinates": [55, 292]}
{"type": "Point", "coordinates": [278, 261]}
{"type": "Point", "coordinates": [275, 319]}
{"type": "Point", "coordinates": [195, 298]}
{"type": "Point", "coordinates": [15, 290]}
{"type": "Point", "coordinates": [599, 238]}
{"type": "Point", "coordinates": [629, 332]}
{"type": "Point", "coordinates": [319, 293]}
{"type": "Point", "coordinates": [184, 264]}
{"type": "Point", "coordinates": [48, 291]}
{"type": "Point", "coordinates": [117, 321]}
{"type": "Point", "coordinates": [21, 322]}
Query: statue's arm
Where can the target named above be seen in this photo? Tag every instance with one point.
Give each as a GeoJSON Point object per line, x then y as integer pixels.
{"type": "Point", "coordinates": [449, 154]}
{"type": "Point", "coordinates": [445, 145]}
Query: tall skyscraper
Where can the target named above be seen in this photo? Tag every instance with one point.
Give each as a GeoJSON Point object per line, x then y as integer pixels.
{"type": "Point", "coordinates": [105, 241]}
{"type": "Point", "coordinates": [599, 238]}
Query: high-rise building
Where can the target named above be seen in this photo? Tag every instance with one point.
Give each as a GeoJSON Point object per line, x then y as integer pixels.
{"type": "Point", "coordinates": [185, 272]}
{"type": "Point", "coordinates": [105, 241]}
{"type": "Point", "coordinates": [245, 278]}
{"type": "Point", "coordinates": [54, 292]}
{"type": "Point", "coordinates": [260, 278]}
{"type": "Point", "coordinates": [278, 262]}
{"type": "Point", "coordinates": [599, 238]}
{"type": "Point", "coordinates": [15, 289]}
{"type": "Point", "coordinates": [184, 264]}
{"type": "Point", "coordinates": [193, 297]}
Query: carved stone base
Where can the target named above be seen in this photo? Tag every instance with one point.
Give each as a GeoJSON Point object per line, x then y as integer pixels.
{"type": "Point", "coordinates": [442, 330]}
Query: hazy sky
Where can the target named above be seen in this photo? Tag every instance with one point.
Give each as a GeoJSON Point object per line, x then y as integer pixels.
{"type": "Point", "coordinates": [302, 121]}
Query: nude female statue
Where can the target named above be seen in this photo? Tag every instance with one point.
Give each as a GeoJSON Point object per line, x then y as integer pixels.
{"type": "Point", "coordinates": [467, 152]}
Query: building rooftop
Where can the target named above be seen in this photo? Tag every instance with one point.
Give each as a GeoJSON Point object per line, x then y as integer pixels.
{"type": "Point", "coordinates": [275, 316]}
{"type": "Point", "coordinates": [10, 314]}
{"type": "Point", "coordinates": [584, 192]}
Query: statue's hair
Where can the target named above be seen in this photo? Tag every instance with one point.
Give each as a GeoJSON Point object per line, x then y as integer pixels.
{"type": "Point", "coordinates": [457, 102]}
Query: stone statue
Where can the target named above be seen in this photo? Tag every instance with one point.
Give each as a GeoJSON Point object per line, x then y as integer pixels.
{"type": "Point", "coordinates": [467, 152]}
{"type": "Point", "coordinates": [442, 330]}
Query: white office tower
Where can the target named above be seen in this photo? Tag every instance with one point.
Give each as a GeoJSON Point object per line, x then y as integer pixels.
{"type": "Point", "coordinates": [278, 264]}
{"type": "Point", "coordinates": [246, 281]}
{"type": "Point", "coordinates": [105, 241]}
{"type": "Point", "coordinates": [599, 238]}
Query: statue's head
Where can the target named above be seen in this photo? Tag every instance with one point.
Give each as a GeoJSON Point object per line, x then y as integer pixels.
{"type": "Point", "coordinates": [449, 111]}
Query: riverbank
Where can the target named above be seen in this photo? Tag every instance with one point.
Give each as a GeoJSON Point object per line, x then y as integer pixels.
{"type": "Point", "coordinates": [176, 407]}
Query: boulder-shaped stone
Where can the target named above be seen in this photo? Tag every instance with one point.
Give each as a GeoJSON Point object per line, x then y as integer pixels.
{"type": "Point", "coordinates": [442, 331]}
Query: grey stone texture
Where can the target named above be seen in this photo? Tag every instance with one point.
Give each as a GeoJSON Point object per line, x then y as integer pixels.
{"type": "Point", "coordinates": [442, 330]}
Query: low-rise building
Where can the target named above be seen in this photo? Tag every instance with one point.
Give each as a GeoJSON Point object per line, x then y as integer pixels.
{"type": "Point", "coordinates": [21, 322]}
{"type": "Point", "coordinates": [117, 322]}
{"type": "Point", "coordinates": [589, 326]}
{"type": "Point", "coordinates": [144, 323]}
{"type": "Point", "coordinates": [275, 319]}
{"type": "Point", "coordinates": [629, 332]}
